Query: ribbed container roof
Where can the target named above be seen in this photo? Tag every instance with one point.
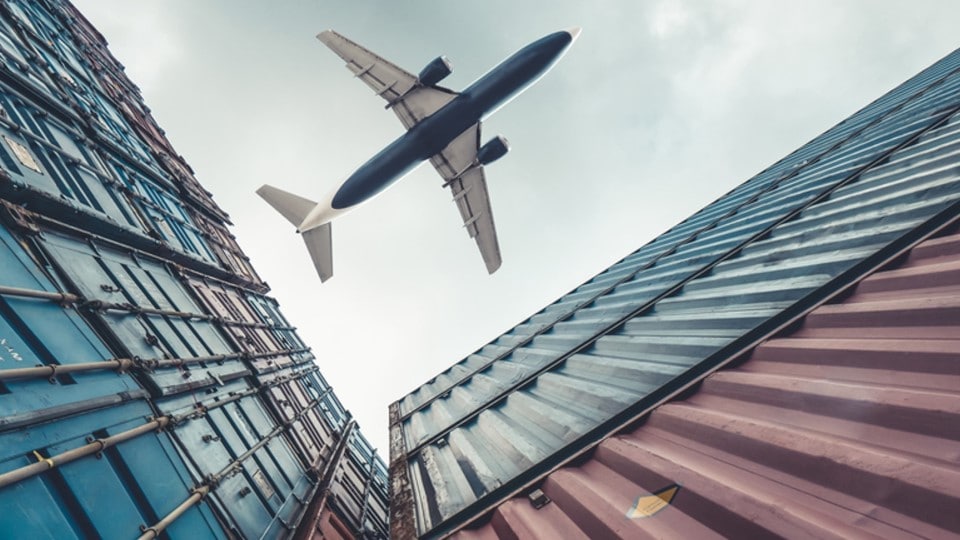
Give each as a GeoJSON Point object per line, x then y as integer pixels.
{"type": "Point", "coordinates": [700, 294]}
{"type": "Point", "coordinates": [848, 426]}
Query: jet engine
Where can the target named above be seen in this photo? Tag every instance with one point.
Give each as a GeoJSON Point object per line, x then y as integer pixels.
{"type": "Point", "coordinates": [436, 71]}
{"type": "Point", "coordinates": [494, 149]}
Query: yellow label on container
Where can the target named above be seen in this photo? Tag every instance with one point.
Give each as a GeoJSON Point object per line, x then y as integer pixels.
{"type": "Point", "coordinates": [648, 505]}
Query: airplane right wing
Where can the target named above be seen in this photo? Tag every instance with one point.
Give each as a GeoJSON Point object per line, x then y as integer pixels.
{"type": "Point", "coordinates": [469, 189]}
{"type": "Point", "coordinates": [410, 101]}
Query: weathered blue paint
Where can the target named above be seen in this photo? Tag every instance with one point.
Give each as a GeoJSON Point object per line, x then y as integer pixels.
{"type": "Point", "coordinates": [93, 497]}
{"type": "Point", "coordinates": [97, 206]}
{"type": "Point", "coordinates": [433, 134]}
{"type": "Point", "coordinates": [42, 333]}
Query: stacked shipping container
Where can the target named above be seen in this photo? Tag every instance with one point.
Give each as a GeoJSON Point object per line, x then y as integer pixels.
{"type": "Point", "coordinates": [846, 425]}
{"type": "Point", "coordinates": [147, 383]}
{"type": "Point", "coordinates": [655, 323]}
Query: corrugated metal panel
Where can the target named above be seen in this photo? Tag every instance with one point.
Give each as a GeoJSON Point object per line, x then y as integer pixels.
{"type": "Point", "coordinates": [148, 312]}
{"type": "Point", "coordinates": [690, 306]}
{"type": "Point", "coordinates": [706, 219]}
{"type": "Point", "coordinates": [226, 248]}
{"type": "Point", "coordinates": [845, 427]}
{"type": "Point", "coordinates": [848, 133]}
{"type": "Point", "coordinates": [218, 424]}
{"type": "Point", "coordinates": [264, 488]}
{"type": "Point", "coordinates": [329, 527]}
{"type": "Point", "coordinates": [114, 162]}
{"type": "Point", "coordinates": [359, 490]}
{"type": "Point", "coordinates": [42, 417]}
{"type": "Point", "coordinates": [300, 396]}
{"type": "Point", "coordinates": [110, 495]}
{"type": "Point", "coordinates": [43, 333]}
{"type": "Point", "coordinates": [253, 324]}
{"type": "Point", "coordinates": [146, 383]}
{"type": "Point", "coordinates": [354, 489]}
{"type": "Point", "coordinates": [49, 166]}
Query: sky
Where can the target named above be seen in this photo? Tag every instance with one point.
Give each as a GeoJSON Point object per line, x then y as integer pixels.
{"type": "Point", "coordinates": [659, 108]}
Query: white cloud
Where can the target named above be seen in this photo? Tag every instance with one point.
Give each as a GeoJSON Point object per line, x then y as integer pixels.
{"type": "Point", "coordinates": [653, 113]}
{"type": "Point", "coordinates": [142, 32]}
{"type": "Point", "coordinates": [669, 18]}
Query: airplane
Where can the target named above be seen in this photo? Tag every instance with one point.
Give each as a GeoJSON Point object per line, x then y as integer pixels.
{"type": "Point", "coordinates": [442, 126]}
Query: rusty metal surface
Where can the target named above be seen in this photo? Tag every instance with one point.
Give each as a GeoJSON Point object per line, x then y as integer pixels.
{"type": "Point", "coordinates": [848, 426]}
{"type": "Point", "coordinates": [313, 517]}
{"type": "Point", "coordinates": [329, 527]}
{"type": "Point", "coordinates": [689, 301]}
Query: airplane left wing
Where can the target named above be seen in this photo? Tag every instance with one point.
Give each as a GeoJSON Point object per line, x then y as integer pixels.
{"type": "Point", "coordinates": [469, 189]}
{"type": "Point", "coordinates": [410, 101]}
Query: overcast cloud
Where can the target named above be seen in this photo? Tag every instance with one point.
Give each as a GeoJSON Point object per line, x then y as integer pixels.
{"type": "Point", "coordinates": [659, 108]}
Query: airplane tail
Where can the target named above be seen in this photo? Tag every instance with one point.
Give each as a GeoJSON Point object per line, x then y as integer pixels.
{"type": "Point", "coordinates": [295, 209]}
{"type": "Point", "coordinates": [319, 244]}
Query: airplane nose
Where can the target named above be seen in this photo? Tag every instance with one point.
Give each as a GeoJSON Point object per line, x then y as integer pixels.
{"type": "Point", "coordinates": [574, 33]}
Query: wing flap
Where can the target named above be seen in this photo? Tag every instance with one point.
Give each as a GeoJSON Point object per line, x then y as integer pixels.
{"type": "Point", "coordinates": [457, 165]}
{"type": "Point", "coordinates": [458, 155]}
{"type": "Point", "coordinates": [470, 193]}
{"type": "Point", "coordinates": [421, 103]}
{"type": "Point", "coordinates": [410, 101]}
{"type": "Point", "coordinates": [382, 76]}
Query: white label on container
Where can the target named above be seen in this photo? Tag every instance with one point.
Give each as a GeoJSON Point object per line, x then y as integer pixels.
{"type": "Point", "coordinates": [263, 484]}
{"type": "Point", "coordinates": [23, 155]}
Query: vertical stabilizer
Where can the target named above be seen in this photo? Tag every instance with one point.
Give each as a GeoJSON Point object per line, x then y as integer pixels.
{"type": "Point", "coordinates": [319, 244]}
{"type": "Point", "coordinates": [293, 207]}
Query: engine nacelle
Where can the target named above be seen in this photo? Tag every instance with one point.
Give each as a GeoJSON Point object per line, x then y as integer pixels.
{"type": "Point", "coordinates": [436, 71]}
{"type": "Point", "coordinates": [494, 149]}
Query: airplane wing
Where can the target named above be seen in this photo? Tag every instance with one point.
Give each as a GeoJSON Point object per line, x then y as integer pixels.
{"type": "Point", "coordinates": [411, 101]}
{"type": "Point", "coordinates": [470, 192]}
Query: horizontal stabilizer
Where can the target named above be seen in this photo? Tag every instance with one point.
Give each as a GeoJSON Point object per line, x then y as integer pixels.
{"type": "Point", "coordinates": [319, 244]}
{"type": "Point", "coordinates": [293, 207]}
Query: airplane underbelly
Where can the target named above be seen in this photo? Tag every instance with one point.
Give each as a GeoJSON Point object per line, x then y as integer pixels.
{"type": "Point", "coordinates": [424, 140]}
{"type": "Point", "coordinates": [437, 131]}
{"type": "Point", "coordinates": [377, 174]}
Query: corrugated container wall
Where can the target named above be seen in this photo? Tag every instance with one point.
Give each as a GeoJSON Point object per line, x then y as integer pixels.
{"type": "Point", "coordinates": [845, 425]}
{"type": "Point", "coordinates": [654, 324]}
{"type": "Point", "coordinates": [148, 385]}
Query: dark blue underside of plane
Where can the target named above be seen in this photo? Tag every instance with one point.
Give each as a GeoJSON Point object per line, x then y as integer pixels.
{"type": "Point", "coordinates": [435, 132]}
